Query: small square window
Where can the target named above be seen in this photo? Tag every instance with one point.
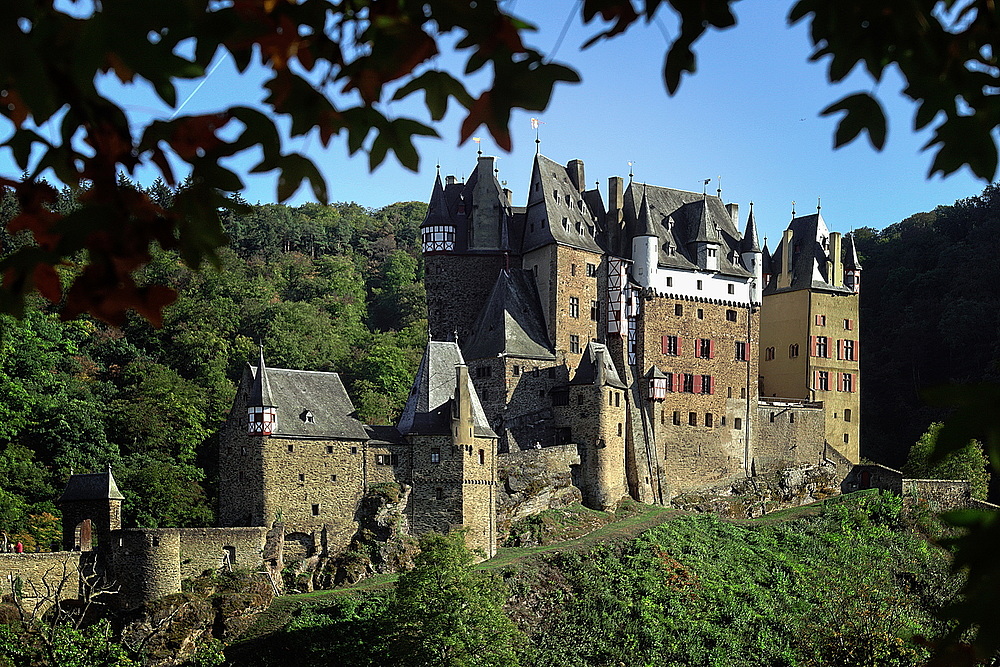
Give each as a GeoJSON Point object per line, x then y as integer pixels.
{"type": "Point", "coordinates": [692, 419]}
{"type": "Point", "coordinates": [333, 478]}
{"type": "Point", "coordinates": [732, 289]}
{"type": "Point", "coordinates": [700, 284]}
{"type": "Point", "coordinates": [515, 371]}
{"type": "Point", "coordinates": [730, 315]}
{"type": "Point", "coordinates": [670, 281]}
{"type": "Point", "coordinates": [354, 450]}
{"type": "Point", "coordinates": [291, 448]}
{"type": "Point", "coordinates": [737, 423]}
{"type": "Point", "coordinates": [678, 309]}
{"type": "Point", "coordinates": [435, 456]}
{"type": "Point", "coordinates": [701, 314]}
{"type": "Point", "coordinates": [574, 344]}
{"type": "Point", "coordinates": [329, 449]}
{"type": "Point", "coordinates": [591, 270]}
{"type": "Point", "coordinates": [302, 477]}
{"type": "Point", "coordinates": [315, 510]}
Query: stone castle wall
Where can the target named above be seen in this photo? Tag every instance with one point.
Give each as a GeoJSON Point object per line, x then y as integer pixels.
{"type": "Point", "coordinates": [457, 287]}
{"type": "Point", "coordinates": [241, 468]}
{"type": "Point", "coordinates": [203, 549]}
{"type": "Point", "coordinates": [145, 564]}
{"type": "Point", "coordinates": [788, 434]}
{"type": "Point", "coordinates": [693, 454]}
{"type": "Point", "coordinates": [596, 416]}
{"type": "Point", "coordinates": [42, 578]}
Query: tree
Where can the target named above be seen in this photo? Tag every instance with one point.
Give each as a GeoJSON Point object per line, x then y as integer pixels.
{"type": "Point", "coordinates": [967, 463]}
{"type": "Point", "coordinates": [319, 54]}
{"type": "Point", "coordinates": [447, 615]}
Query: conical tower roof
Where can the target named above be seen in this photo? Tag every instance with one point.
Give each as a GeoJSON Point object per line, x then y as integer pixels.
{"type": "Point", "coordinates": [705, 232]}
{"type": "Point", "coordinates": [588, 371]}
{"type": "Point", "coordinates": [512, 322]}
{"type": "Point", "coordinates": [260, 390]}
{"type": "Point", "coordinates": [645, 225]}
{"type": "Point", "coordinates": [851, 260]}
{"type": "Point", "coordinates": [437, 209]}
{"type": "Point", "coordinates": [749, 242]}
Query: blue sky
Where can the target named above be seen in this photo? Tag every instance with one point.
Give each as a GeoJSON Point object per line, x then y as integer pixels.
{"type": "Point", "coordinates": [750, 115]}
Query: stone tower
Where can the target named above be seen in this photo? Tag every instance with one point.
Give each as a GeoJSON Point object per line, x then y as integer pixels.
{"type": "Point", "coordinates": [91, 506]}
{"type": "Point", "coordinates": [454, 468]}
{"type": "Point", "coordinates": [809, 327]}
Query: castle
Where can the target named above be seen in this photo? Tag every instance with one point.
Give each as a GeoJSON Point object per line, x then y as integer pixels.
{"type": "Point", "coordinates": [643, 348]}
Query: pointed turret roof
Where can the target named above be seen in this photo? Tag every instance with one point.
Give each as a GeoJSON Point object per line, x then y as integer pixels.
{"type": "Point", "coordinates": [644, 226]}
{"type": "Point", "coordinates": [851, 260]}
{"type": "Point", "coordinates": [705, 232]}
{"type": "Point", "coordinates": [557, 212]}
{"type": "Point", "coordinates": [92, 486]}
{"type": "Point", "coordinates": [765, 260]}
{"type": "Point", "coordinates": [655, 373]}
{"type": "Point", "coordinates": [749, 242]}
{"type": "Point", "coordinates": [810, 235]}
{"type": "Point", "coordinates": [260, 390]}
{"type": "Point", "coordinates": [587, 372]}
{"type": "Point", "coordinates": [429, 406]}
{"type": "Point", "coordinates": [437, 209]}
{"type": "Point", "coordinates": [512, 322]}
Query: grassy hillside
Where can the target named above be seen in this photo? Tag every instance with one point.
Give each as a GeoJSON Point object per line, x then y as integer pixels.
{"type": "Point", "coordinates": [851, 582]}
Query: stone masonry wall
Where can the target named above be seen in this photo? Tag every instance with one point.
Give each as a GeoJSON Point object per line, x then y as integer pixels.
{"type": "Point", "coordinates": [41, 577]}
{"type": "Point", "coordinates": [596, 415]}
{"type": "Point", "coordinates": [940, 494]}
{"type": "Point", "coordinates": [241, 476]}
{"type": "Point", "coordinates": [693, 454]}
{"type": "Point", "coordinates": [436, 498]}
{"type": "Point", "coordinates": [457, 287]}
{"type": "Point", "coordinates": [479, 496]}
{"type": "Point", "coordinates": [203, 549]}
{"type": "Point", "coordinates": [308, 483]}
{"type": "Point", "coordinates": [528, 417]}
{"type": "Point", "coordinates": [788, 435]}
{"type": "Point", "coordinates": [534, 480]}
{"type": "Point", "coordinates": [145, 564]}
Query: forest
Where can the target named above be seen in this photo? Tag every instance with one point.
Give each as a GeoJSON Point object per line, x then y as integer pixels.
{"type": "Point", "coordinates": [331, 288]}
{"type": "Point", "coordinates": [339, 288]}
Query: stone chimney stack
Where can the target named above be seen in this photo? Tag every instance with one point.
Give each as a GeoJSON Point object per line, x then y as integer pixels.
{"type": "Point", "coordinates": [575, 169]}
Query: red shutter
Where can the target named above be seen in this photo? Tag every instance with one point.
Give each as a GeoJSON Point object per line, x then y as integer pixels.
{"type": "Point", "coordinates": [697, 344]}
{"type": "Point", "coordinates": [840, 382]}
{"type": "Point", "coordinates": [711, 349]}
{"type": "Point", "coordinates": [840, 349]}
{"type": "Point", "coordinates": [812, 346]}
{"type": "Point", "coordinates": [680, 346]}
{"type": "Point", "coordinates": [815, 380]}
{"type": "Point", "coordinates": [711, 385]}
{"type": "Point", "coordinates": [817, 320]}
{"type": "Point", "coordinates": [663, 344]}
{"type": "Point", "coordinates": [857, 350]}
{"type": "Point", "coordinates": [697, 384]}
{"type": "Point", "coordinates": [854, 382]}
{"type": "Point", "coordinates": [850, 325]}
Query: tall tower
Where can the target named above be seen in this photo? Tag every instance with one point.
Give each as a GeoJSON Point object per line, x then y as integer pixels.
{"type": "Point", "coordinates": [809, 328]}
{"type": "Point", "coordinates": [752, 257]}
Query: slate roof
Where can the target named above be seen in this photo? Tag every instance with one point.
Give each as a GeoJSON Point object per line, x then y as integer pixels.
{"type": "Point", "coordinates": [453, 204]}
{"type": "Point", "coordinates": [749, 242]}
{"type": "Point", "coordinates": [810, 237]}
{"type": "Point", "coordinates": [429, 405]}
{"type": "Point", "coordinates": [511, 323]}
{"type": "Point", "coordinates": [851, 260]}
{"type": "Point", "coordinates": [91, 486]}
{"type": "Point", "coordinates": [260, 390]}
{"type": "Point", "coordinates": [586, 372]}
{"type": "Point", "coordinates": [323, 394]}
{"type": "Point", "coordinates": [550, 219]}
{"type": "Point", "coordinates": [676, 216]}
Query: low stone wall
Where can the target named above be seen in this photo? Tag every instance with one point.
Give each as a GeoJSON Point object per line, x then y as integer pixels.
{"type": "Point", "coordinates": [204, 549]}
{"type": "Point", "coordinates": [533, 480]}
{"type": "Point", "coordinates": [40, 578]}
{"type": "Point", "coordinates": [939, 494]}
{"type": "Point", "coordinates": [873, 476]}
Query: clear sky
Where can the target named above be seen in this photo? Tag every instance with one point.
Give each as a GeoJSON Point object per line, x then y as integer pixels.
{"type": "Point", "coordinates": [750, 115]}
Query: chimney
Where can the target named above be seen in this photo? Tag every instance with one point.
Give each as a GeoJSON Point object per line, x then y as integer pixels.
{"type": "Point", "coordinates": [734, 213]}
{"type": "Point", "coordinates": [615, 217]}
{"type": "Point", "coordinates": [450, 180]}
{"type": "Point", "coordinates": [785, 270]}
{"type": "Point", "coordinates": [835, 268]}
{"type": "Point", "coordinates": [487, 163]}
{"type": "Point", "coordinates": [508, 196]}
{"type": "Point", "coordinates": [575, 169]}
{"type": "Point", "coordinates": [599, 366]}
{"type": "Point", "coordinates": [462, 424]}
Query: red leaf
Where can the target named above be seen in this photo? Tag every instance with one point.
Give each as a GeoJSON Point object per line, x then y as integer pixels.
{"type": "Point", "coordinates": [47, 282]}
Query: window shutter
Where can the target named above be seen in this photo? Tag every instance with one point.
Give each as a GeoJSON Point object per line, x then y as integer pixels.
{"type": "Point", "coordinates": [817, 320]}
{"type": "Point", "coordinates": [697, 384]}
{"type": "Point", "coordinates": [711, 385]}
{"type": "Point", "coordinates": [816, 380]}
{"type": "Point", "coordinates": [697, 343]}
{"type": "Point", "coordinates": [840, 382]}
{"type": "Point", "coordinates": [711, 349]}
{"type": "Point", "coordinates": [812, 346]}
{"type": "Point", "coordinates": [680, 346]}
{"type": "Point", "coordinates": [854, 382]}
{"type": "Point", "coordinates": [840, 349]}
{"type": "Point", "coordinates": [850, 325]}
{"type": "Point", "coordinates": [857, 350]}
{"type": "Point", "coordinates": [663, 344]}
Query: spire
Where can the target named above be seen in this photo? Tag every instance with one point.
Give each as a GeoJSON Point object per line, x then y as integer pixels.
{"type": "Point", "coordinates": [706, 230]}
{"type": "Point", "coordinates": [437, 209]}
{"type": "Point", "coordinates": [851, 254]}
{"type": "Point", "coordinates": [749, 242]}
{"type": "Point", "coordinates": [645, 226]}
{"type": "Point", "coordinates": [260, 391]}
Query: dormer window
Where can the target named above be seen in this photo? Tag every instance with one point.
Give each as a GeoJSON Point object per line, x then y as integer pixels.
{"type": "Point", "coordinates": [307, 417]}
{"type": "Point", "coordinates": [579, 228]}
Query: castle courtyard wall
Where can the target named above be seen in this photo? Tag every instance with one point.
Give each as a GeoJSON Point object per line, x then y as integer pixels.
{"type": "Point", "coordinates": [203, 549]}
{"type": "Point", "coordinates": [43, 578]}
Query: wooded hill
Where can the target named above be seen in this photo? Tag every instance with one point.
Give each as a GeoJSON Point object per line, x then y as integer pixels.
{"type": "Point", "coordinates": [337, 288]}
